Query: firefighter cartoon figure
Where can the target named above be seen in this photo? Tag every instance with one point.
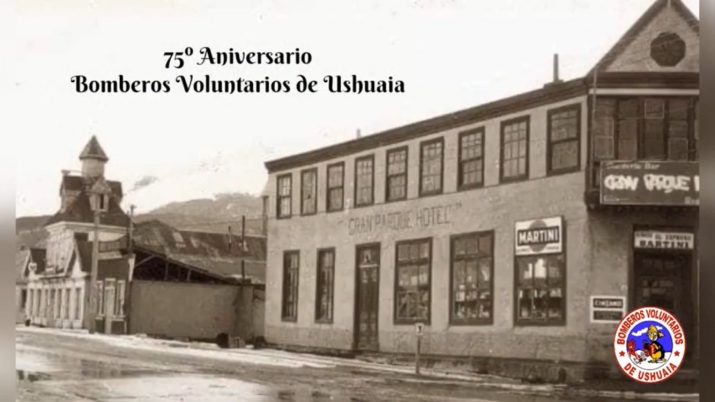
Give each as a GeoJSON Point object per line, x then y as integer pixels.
{"type": "Point", "coordinates": [649, 344]}
{"type": "Point", "coordinates": [656, 353]}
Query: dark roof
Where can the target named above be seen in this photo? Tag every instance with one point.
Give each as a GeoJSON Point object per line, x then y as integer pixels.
{"type": "Point", "coordinates": [215, 253]}
{"type": "Point", "coordinates": [548, 94]}
{"type": "Point", "coordinates": [80, 211]}
{"type": "Point", "coordinates": [640, 24]}
{"type": "Point", "coordinates": [225, 267]}
{"type": "Point", "coordinates": [93, 151]}
{"type": "Point", "coordinates": [164, 237]}
{"type": "Point", "coordinates": [81, 183]}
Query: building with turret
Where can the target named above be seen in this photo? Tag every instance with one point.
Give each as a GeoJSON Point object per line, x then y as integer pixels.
{"type": "Point", "coordinates": [58, 287]}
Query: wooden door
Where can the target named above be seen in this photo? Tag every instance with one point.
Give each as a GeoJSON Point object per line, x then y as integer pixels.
{"type": "Point", "coordinates": [663, 279]}
{"type": "Point", "coordinates": [367, 297]}
{"type": "Point", "coordinates": [109, 299]}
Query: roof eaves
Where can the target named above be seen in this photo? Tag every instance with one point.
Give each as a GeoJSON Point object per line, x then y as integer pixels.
{"type": "Point", "coordinates": [513, 104]}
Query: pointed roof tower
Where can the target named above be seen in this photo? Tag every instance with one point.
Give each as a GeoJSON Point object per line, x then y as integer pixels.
{"type": "Point", "coordinates": [665, 38]}
{"type": "Point", "coordinates": [93, 151]}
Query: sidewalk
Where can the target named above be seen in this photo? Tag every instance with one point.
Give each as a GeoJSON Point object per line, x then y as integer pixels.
{"type": "Point", "coordinates": [605, 389]}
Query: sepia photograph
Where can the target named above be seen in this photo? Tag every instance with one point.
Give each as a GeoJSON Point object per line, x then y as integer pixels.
{"type": "Point", "coordinates": [396, 201]}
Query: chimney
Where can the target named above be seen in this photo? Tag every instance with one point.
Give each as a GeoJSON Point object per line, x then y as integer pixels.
{"type": "Point", "coordinates": [556, 68]}
{"type": "Point", "coordinates": [556, 79]}
{"type": "Point", "coordinates": [358, 134]}
{"type": "Point", "coordinates": [65, 172]}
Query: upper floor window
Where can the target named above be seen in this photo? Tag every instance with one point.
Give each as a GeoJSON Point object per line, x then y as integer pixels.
{"type": "Point", "coordinates": [515, 149]}
{"type": "Point", "coordinates": [364, 180]}
{"type": "Point", "coordinates": [471, 159]}
{"type": "Point", "coordinates": [564, 136]}
{"type": "Point", "coordinates": [309, 191]}
{"type": "Point", "coordinates": [396, 182]}
{"type": "Point", "coordinates": [336, 187]}
{"type": "Point", "coordinates": [648, 128]}
{"type": "Point", "coordinates": [431, 165]}
{"type": "Point", "coordinates": [285, 198]}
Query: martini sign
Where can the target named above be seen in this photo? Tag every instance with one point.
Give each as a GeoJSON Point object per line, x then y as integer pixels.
{"type": "Point", "coordinates": [541, 236]}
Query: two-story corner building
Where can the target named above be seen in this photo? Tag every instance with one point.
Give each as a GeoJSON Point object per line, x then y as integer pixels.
{"type": "Point", "coordinates": [519, 230]}
{"type": "Point", "coordinates": [58, 288]}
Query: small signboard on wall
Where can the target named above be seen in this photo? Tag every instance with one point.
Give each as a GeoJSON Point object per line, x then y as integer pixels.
{"type": "Point", "coordinates": [419, 329]}
{"type": "Point", "coordinates": [651, 239]}
{"type": "Point", "coordinates": [540, 236]}
{"type": "Point", "coordinates": [607, 309]}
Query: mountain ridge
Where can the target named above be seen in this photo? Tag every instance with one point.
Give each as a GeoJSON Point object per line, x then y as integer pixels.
{"type": "Point", "coordinates": [215, 214]}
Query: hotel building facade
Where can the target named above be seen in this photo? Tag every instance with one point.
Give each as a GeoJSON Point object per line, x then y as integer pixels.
{"type": "Point", "coordinates": [521, 230]}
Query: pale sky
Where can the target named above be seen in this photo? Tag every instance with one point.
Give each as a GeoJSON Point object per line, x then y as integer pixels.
{"type": "Point", "coordinates": [450, 54]}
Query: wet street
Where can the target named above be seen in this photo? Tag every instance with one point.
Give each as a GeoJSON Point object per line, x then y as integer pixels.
{"type": "Point", "coordinates": [52, 367]}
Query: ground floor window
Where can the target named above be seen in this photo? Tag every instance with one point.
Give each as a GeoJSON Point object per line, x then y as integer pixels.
{"type": "Point", "coordinates": [324, 286]}
{"type": "Point", "coordinates": [55, 304]}
{"type": "Point", "coordinates": [289, 303]}
{"type": "Point", "coordinates": [78, 303]}
{"type": "Point", "coordinates": [65, 303]}
{"type": "Point", "coordinates": [99, 296]}
{"type": "Point", "coordinates": [23, 298]}
{"type": "Point", "coordinates": [540, 289]}
{"type": "Point", "coordinates": [472, 266]}
{"type": "Point", "coordinates": [413, 273]}
{"type": "Point", "coordinates": [121, 290]}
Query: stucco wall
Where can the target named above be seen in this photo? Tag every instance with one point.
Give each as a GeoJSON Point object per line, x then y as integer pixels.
{"type": "Point", "coordinates": [188, 310]}
{"type": "Point", "coordinates": [495, 207]}
{"type": "Point", "coordinates": [611, 252]}
{"type": "Point", "coordinates": [598, 254]}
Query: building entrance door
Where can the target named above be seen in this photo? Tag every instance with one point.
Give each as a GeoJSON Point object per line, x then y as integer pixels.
{"type": "Point", "coordinates": [663, 279]}
{"type": "Point", "coordinates": [367, 297]}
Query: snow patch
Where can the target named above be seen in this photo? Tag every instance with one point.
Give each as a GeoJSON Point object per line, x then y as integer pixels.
{"type": "Point", "coordinates": [174, 388]}
{"type": "Point", "coordinates": [154, 345]}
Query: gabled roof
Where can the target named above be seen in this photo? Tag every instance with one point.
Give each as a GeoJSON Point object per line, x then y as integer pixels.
{"type": "Point", "coordinates": [215, 253]}
{"type": "Point", "coordinates": [641, 23]}
{"type": "Point", "coordinates": [93, 151]}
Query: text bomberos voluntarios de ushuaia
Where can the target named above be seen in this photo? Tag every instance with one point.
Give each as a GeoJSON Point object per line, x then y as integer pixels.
{"type": "Point", "coordinates": [206, 84]}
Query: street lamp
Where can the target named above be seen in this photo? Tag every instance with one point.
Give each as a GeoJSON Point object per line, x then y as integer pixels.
{"type": "Point", "coordinates": [99, 202]}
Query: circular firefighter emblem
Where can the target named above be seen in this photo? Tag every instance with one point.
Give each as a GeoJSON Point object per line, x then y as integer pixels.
{"type": "Point", "coordinates": [649, 345]}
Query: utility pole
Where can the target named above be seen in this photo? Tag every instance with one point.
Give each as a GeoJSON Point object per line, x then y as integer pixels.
{"type": "Point", "coordinates": [93, 276]}
{"type": "Point", "coordinates": [99, 202]}
{"type": "Point", "coordinates": [243, 249]}
{"type": "Point", "coordinates": [130, 234]}
{"type": "Point", "coordinates": [126, 308]}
